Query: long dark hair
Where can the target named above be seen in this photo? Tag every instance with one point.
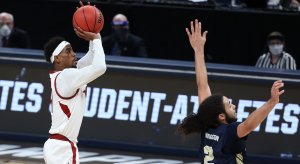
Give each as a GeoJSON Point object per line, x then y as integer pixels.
{"type": "Point", "coordinates": [206, 117]}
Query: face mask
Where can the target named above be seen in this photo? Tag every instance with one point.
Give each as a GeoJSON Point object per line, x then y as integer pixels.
{"type": "Point", "coordinates": [5, 30]}
{"type": "Point", "coordinates": [276, 49]}
{"type": "Point", "coordinates": [120, 34]}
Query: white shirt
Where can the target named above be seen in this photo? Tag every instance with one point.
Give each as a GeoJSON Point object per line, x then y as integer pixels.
{"type": "Point", "coordinates": [69, 91]}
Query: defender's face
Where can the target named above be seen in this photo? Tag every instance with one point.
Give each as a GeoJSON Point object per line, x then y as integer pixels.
{"type": "Point", "coordinates": [230, 110]}
{"type": "Point", "coordinates": [67, 57]}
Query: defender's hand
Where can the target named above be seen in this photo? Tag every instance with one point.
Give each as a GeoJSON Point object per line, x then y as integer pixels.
{"type": "Point", "coordinates": [275, 91]}
{"type": "Point", "coordinates": [197, 40]}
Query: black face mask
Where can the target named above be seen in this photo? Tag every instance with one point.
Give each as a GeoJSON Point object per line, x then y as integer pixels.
{"type": "Point", "coordinates": [120, 34]}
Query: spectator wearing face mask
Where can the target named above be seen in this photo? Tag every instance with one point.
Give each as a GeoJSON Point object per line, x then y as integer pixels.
{"type": "Point", "coordinates": [276, 57]}
{"type": "Point", "coordinates": [293, 5]}
{"type": "Point", "coordinates": [121, 42]}
{"type": "Point", "coordinates": [11, 36]}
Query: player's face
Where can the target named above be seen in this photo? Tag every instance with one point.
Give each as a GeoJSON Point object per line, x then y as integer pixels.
{"type": "Point", "coordinates": [230, 110]}
{"type": "Point", "coordinates": [68, 57]}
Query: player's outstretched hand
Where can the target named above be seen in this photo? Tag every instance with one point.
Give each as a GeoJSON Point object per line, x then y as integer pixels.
{"type": "Point", "coordinates": [197, 39]}
{"type": "Point", "coordinates": [86, 35]}
{"type": "Point", "coordinates": [81, 4]}
{"type": "Point", "coordinates": [275, 91]}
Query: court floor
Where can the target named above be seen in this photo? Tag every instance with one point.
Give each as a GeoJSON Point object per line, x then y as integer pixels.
{"type": "Point", "coordinates": [32, 153]}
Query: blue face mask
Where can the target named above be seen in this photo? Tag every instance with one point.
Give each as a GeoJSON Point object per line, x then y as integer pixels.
{"type": "Point", "coordinates": [276, 49]}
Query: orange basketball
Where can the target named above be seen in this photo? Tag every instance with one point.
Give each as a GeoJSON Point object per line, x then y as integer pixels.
{"type": "Point", "coordinates": [88, 18]}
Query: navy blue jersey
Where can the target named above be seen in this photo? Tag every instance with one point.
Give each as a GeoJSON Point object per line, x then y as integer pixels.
{"type": "Point", "coordinates": [222, 145]}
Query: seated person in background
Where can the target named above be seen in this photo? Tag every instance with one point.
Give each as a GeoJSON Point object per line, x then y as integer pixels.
{"type": "Point", "coordinates": [121, 42]}
{"type": "Point", "coordinates": [11, 36]}
{"type": "Point", "coordinates": [276, 57]}
{"type": "Point", "coordinates": [291, 4]}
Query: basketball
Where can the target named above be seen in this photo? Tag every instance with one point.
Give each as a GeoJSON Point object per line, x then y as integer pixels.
{"type": "Point", "coordinates": [88, 18]}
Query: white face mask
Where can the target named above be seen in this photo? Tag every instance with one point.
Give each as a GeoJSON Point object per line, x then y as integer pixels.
{"type": "Point", "coordinates": [276, 49]}
{"type": "Point", "coordinates": [5, 30]}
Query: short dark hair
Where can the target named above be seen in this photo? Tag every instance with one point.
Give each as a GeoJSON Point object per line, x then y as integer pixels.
{"type": "Point", "coordinates": [275, 35]}
{"type": "Point", "coordinates": [50, 46]}
{"type": "Point", "coordinates": [207, 116]}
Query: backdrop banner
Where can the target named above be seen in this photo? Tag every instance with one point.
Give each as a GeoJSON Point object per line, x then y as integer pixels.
{"type": "Point", "coordinates": [145, 108]}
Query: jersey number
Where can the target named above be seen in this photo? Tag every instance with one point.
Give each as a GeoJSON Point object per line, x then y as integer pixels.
{"type": "Point", "coordinates": [209, 156]}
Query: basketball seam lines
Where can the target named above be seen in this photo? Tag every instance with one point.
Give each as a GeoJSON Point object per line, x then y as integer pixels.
{"type": "Point", "coordinates": [95, 19]}
{"type": "Point", "coordinates": [85, 20]}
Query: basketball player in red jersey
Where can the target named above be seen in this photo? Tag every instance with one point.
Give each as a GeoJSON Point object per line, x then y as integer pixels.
{"type": "Point", "coordinates": [68, 84]}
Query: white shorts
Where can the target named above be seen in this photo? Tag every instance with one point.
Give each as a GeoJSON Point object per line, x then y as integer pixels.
{"type": "Point", "coordinates": [60, 152]}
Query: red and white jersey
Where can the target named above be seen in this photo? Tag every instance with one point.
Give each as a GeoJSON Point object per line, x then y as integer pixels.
{"type": "Point", "coordinates": [67, 112]}
{"type": "Point", "coordinates": [69, 91]}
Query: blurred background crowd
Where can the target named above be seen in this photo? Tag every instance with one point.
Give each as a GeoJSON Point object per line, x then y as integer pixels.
{"type": "Point", "coordinates": [261, 33]}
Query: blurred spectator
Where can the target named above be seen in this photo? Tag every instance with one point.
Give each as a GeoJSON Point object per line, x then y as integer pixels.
{"type": "Point", "coordinates": [257, 4]}
{"type": "Point", "coordinates": [293, 5]}
{"type": "Point", "coordinates": [121, 42]}
{"type": "Point", "coordinates": [11, 36]}
{"type": "Point", "coordinates": [229, 3]}
{"type": "Point", "coordinates": [276, 57]}
{"type": "Point", "coordinates": [274, 5]}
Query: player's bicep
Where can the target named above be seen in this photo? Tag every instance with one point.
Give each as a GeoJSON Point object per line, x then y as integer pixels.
{"type": "Point", "coordinates": [203, 93]}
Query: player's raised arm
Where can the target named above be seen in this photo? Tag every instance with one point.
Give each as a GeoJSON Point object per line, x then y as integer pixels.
{"type": "Point", "coordinates": [258, 116]}
{"type": "Point", "coordinates": [87, 58]}
{"type": "Point", "coordinates": [78, 77]}
{"type": "Point", "coordinates": [80, 21]}
{"type": "Point", "coordinates": [197, 41]}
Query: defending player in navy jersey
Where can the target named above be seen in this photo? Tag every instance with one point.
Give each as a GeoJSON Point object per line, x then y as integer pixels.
{"type": "Point", "coordinates": [223, 140]}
